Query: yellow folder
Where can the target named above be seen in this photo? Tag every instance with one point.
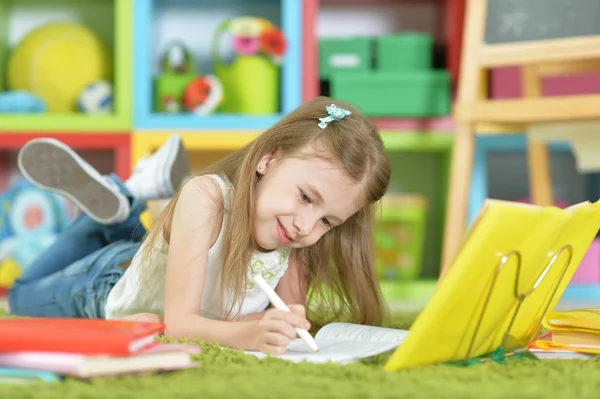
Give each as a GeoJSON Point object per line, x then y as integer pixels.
{"type": "Point", "coordinates": [512, 268]}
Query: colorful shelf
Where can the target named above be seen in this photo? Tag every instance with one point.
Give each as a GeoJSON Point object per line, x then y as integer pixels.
{"type": "Point", "coordinates": [183, 122]}
{"type": "Point", "coordinates": [120, 13]}
{"type": "Point", "coordinates": [135, 29]}
{"type": "Point", "coordinates": [151, 16]}
{"type": "Point", "coordinates": [118, 142]}
{"type": "Point", "coordinates": [136, 25]}
{"type": "Point", "coordinates": [143, 142]}
{"type": "Point", "coordinates": [201, 141]}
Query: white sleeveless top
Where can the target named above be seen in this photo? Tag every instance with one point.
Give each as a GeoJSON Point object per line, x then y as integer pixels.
{"type": "Point", "coordinates": [130, 295]}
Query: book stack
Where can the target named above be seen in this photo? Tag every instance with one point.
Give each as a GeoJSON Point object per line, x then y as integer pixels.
{"type": "Point", "coordinates": [574, 333]}
{"type": "Point", "coordinates": [51, 349]}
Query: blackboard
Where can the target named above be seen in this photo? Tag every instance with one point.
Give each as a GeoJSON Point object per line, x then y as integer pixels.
{"type": "Point", "coordinates": [510, 21]}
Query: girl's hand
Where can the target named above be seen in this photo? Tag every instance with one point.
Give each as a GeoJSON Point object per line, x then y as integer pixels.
{"type": "Point", "coordinates": [277, 328]}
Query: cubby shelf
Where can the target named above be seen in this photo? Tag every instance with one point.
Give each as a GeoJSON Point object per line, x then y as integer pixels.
{"type": "Point", "coordinates": [120, 12]}
{"type": "Point", "coordinates": [148, 20]}
{"type": "Point", "coordinates": [189, 122]}
{"type": "Point", "coordinates": [134, 37]}
{"type": "Point", "coordinates": [148, 141]}
{"type": "Point", "coordinates": [64, 123]}
{"type": "Point", "coordinates": [137, 43]}
{"type": "Point", "coordinates": [118, 142]}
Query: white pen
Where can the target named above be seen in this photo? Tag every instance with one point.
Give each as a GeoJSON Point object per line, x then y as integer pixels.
{"type": "Point", "coordinates": [279, 304]}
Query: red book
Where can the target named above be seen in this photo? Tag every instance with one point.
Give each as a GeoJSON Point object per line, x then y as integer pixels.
{"type": "Point", "coordinates": [84, 336]}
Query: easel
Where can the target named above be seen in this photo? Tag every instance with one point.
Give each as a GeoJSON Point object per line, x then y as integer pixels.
{"type": "Point", "coordinates": [474, 112]}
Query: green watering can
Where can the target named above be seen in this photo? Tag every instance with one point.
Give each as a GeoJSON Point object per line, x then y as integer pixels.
{"type": "Point", "coordinates": [250, 82]}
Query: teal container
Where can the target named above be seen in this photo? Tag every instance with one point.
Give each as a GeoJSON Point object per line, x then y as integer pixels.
{"type": "Point", "coordinates": [395, 94]}
{"type": "Point", "coordinates": [344, 54]}
{"type": "Point", "coordinates": [404, 52]}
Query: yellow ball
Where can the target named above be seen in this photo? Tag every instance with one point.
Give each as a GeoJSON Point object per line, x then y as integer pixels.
{"type": "Point", "coordinates": [56, 62]}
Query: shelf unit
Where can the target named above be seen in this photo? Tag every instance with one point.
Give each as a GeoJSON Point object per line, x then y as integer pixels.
{"type": "Point", "coordinates": [139, 29]}
{"type": "Point", "coordinates": [156, 18]}
{"type": "Point", "coordinates": [116, 14]}
{"type": "Point", "coordinates": [134, 29]}
{"type": "Point", "coordinates": [119, 143]}
{"type": "Point", "coordinates": [148, 141]}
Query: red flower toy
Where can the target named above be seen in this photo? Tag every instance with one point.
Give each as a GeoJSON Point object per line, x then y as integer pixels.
{"type": "Point", "coordinates": [203, 95]}
{"type": "Point", "coordinates": [252, 35]}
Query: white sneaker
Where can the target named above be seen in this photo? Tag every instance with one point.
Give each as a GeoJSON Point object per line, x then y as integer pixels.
{"type": "Point", "coordinates": [53, 166]}
{"type": "Point", "coordinates": [159, 175]}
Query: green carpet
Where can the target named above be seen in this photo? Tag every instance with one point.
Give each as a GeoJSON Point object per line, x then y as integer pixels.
{"type": "Point", "coordinates": [231, 374]}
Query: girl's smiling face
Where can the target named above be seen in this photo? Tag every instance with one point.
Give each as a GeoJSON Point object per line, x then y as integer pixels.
{"type": "Point", "coordinates": [299, 199]}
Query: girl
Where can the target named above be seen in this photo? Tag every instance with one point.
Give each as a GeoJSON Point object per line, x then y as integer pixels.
{"type": "Point", "coordinates": [295, 205]}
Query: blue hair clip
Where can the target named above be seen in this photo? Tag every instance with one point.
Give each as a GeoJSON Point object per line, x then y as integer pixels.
{"type": "Point", "coordinates": [335, 114]}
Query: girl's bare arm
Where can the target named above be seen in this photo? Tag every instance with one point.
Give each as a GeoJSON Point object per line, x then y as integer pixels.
{"type": "Point", "coordinates": [196, 224]}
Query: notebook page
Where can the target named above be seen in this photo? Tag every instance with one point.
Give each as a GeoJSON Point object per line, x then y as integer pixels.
{"type": "Point", "coordinates": [332, 351]}
{"type": "Point", "coordinates": [357, 332]}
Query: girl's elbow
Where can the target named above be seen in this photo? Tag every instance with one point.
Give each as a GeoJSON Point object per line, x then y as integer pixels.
{"type": "Point", "coordinates": [172, 333]}
{"type": "Point", "coordinates": [174, 328]}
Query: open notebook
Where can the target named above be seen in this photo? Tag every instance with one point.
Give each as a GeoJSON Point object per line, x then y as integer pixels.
{"type": "Point", "coordinates": [343, 343]}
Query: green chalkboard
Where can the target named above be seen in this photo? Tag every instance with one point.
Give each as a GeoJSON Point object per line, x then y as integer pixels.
{"type": "Point", "coordinates": [510, 21]}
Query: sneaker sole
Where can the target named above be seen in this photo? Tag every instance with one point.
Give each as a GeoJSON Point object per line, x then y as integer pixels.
{"type": "Point", "coordinates": [180, 168]}
{"type": "Point", "coordinates": [53, 167]}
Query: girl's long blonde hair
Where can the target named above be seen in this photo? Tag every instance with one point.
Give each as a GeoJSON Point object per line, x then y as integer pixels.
{"type": "Point", "coordinates": [340, 266]}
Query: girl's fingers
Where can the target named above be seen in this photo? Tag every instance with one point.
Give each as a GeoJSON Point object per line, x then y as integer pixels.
{"type": "Point", "coordinates": [291, 318]}
{"type": "Point", "coordinates": [276, 339]}
{"type": "Point", "coordinates": [298, 309]}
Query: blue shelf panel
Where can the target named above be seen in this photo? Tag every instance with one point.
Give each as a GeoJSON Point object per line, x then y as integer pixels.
{"type": "Point", "coordinates": [291, 78]}
{"type": "Point", "coordinates": [212, 122]}
{"type": "Point", "coordinates": [147, 20]}
{"type": "Point", "coordinates": [213, 2]}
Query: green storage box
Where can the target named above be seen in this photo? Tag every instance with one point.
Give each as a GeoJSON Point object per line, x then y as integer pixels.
{"type": "Point", "coordinates": [348, 54]}
{"type": "Point", "coordinates": [400, 236]}
{"type": "Point", "coordinates": [414, 94]}
{"type": "Point", "coordinates": [404, 52]}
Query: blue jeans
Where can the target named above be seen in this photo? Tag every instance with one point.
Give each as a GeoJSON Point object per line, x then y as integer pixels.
{"type": "Point", "coordinates": [74, 276]}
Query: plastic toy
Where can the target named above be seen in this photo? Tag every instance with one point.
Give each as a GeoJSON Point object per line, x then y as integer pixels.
{"type": "Point", "coordinates": [203, 95]}
{"type": "Point", "coordinates": [31, 218]}
{"type": "Point", "coordinates": [177, 59]}
{"type": "Point", "coordinates": [252, 35]}
{"type": "Point", "coordinates": [17, 102]}
{"type": "Point", "coordinates": [251, 80]}
{"type": "Point", "coordinates": [177, 72]}
{"type": "Point", "coordinates": [169, 89]}
{"type": "Point", "coordinates": [97, 98]}
{"type": "Point", "coordinates": [56, 61]}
